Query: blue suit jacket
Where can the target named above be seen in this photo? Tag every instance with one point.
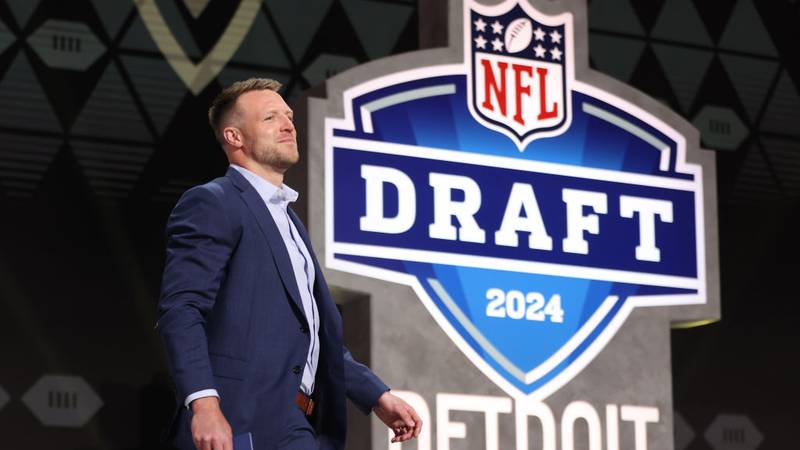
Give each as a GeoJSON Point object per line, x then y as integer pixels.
{"type": "Point", "coordinates": [231, 319]}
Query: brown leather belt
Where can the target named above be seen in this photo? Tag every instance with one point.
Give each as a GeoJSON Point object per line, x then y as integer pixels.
{"type": "Point", "coordinates": [304, 402]}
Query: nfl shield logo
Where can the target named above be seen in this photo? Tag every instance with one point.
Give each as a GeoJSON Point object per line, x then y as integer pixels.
{"type": "Point", "coordinates": [518, 69]}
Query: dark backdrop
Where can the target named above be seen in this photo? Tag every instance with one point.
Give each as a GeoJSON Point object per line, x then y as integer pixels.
{"type": "Point", "coordinates": [99, 136]}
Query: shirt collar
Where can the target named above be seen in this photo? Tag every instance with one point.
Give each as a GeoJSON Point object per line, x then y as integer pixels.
{"type": "Point", "coordinates": [268, 191]}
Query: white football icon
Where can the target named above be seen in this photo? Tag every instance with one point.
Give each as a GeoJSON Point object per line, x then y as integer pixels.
{"type": "Point", "coordinates": [519, 34]}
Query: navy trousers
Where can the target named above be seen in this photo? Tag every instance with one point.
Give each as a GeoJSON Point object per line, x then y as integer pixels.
{"type": "Point", "coordinates": [300, 434]}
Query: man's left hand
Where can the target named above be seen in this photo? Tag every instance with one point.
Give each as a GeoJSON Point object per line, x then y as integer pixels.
{"type": "Point", "coordinates": [399, 416]}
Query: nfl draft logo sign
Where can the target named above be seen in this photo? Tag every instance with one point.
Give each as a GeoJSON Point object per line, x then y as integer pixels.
{"type": "Point", "coordinates": [531, 212]}
{"type": "Point", "coordinates": [518, 81]}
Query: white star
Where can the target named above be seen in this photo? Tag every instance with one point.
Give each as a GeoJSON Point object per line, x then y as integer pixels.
{"type": "Point", "coordinates": [480, 42]}
{"type": "Point", "coordinates": [480, 25]}
{"type": "Point", "coordinates": [555, 36]}
{"type": "Point", "coordinates": [539, 34]}
{"type": "Point", "coordinates": [540, 51]}
{"type": "Point", "coordinates": [497, 44]}
{"type": "Point", "coordinates": [555, 54]}
{"type": "Point", "coordinates": [496, 27]}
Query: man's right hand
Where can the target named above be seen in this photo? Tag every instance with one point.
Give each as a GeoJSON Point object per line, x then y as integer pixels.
{"type": "Point", "coordinates": [210, 430]}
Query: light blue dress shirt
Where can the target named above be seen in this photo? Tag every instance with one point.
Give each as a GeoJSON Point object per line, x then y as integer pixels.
{"type": "Point", "coordinates": [277, 200]}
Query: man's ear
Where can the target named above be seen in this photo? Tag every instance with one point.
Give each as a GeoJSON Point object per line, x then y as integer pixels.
{"type": "Point", "coordinates": [232, 136]}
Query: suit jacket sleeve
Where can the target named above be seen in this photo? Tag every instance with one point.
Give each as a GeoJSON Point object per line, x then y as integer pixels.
{"type": "Point", "coordinates": [362, 386]}
{"type": "Point", "coordinates": [200, 240]}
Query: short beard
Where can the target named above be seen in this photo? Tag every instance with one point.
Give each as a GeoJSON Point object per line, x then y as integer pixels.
{"type": "Point", "coordinates": [275, 159]}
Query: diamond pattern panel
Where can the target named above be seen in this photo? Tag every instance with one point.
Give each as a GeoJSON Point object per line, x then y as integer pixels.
{"type": "Point", "coordinates": [160, 89]}
{"type": "Point", "coordinates": [6, 37]}
{"type": "Point", "coordinates": [112, 14]}
{"type": "Point", "coordinates": [746, 32]}
{"type": "Point", "coordinates": [755, 180]}
{"type": "Point", "coordinates": [752, 79]}
{"type": "Point", "coordinates": [22, 10]}
{"type": "Point", "coordinates": [616, 56]}
{"type": "Point", "coordinates": [24, 161]}
{"type": "Point", "coordinates": [614, 15]}
{"type": "Point", "coordinates": [784, 154]}
{"type": "Point", "coordinates": [111, 112]}
{"type": "Point", "coordinates": [764, 93]}
{"type": "Point", "coordinates": [112, 170]}
{"type": "Point", "coordinates": [25, 104]}
{"type": "Point", "coordinates": [378, 25]}
{"type": "Point", "coordinates": [783, 110]}
{"type": "Point", "coordinates": [261, 46]}
{"type": "Point", "coordinates": [685, 71]}
{"type": "Point", "coordinates": [298, 21]}
{"type": "Point", "coordinates": [679, 21]}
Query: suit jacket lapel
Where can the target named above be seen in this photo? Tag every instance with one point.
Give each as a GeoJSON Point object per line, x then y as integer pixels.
{"type": "Point", "coordinates": [267, 225]}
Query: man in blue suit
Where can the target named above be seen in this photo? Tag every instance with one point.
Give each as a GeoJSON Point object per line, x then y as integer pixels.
{"type": "Point", "coordinates": [253, 337]}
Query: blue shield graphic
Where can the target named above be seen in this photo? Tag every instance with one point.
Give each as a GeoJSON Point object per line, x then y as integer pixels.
{"type": "Point", "coordinates": [529, 253]}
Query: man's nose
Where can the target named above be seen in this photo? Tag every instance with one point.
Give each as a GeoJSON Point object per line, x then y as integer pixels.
{"type": "Point", "coordinates": [287, 124]}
